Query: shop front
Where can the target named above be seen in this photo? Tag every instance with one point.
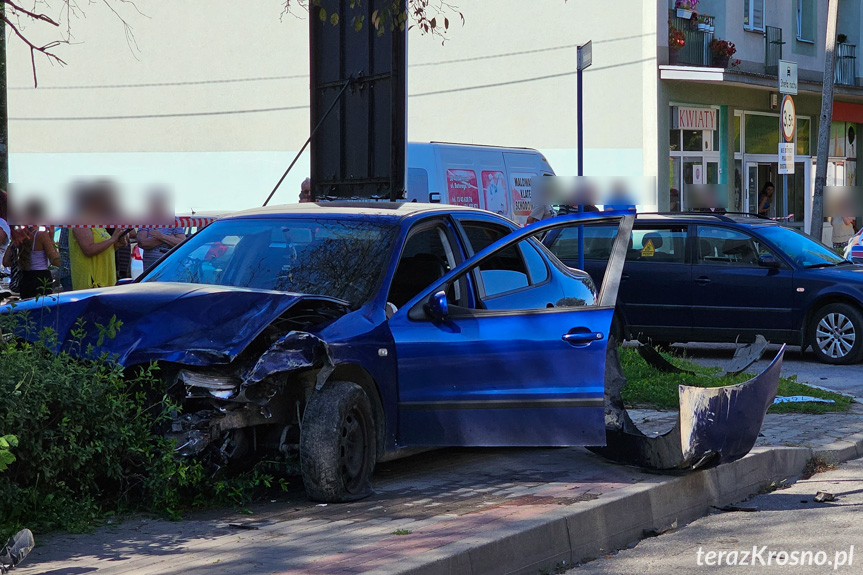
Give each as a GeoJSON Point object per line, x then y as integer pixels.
{"type": "Point", "coordinates": [698, 154]}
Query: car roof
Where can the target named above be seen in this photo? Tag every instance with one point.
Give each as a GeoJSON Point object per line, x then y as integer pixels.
{"type": "Point", "coordinates": [381, 209]}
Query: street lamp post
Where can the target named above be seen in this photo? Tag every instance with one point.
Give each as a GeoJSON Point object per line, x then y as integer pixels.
{"type": "Point", "coordinates": [585, 59]}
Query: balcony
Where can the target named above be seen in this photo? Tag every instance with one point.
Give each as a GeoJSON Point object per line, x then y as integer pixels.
{"type": "Point", "coordinates": [695, 51]}
{"type": "Point", "coordinates": [772, 49]}
{"type": "Point", "coordinates": [846, 59]}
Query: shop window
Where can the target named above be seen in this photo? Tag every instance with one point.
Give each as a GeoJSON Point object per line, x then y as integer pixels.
{"type": "Point", "coordinates": [674, 140]}
{"type": "Point", "coordinates": [692, 140]}
{"type": "Point", "coordinates": [762, 134]}
{"type": "Point", "coordinates": [753, 15]}
{"type": "Point", "coordinates": [806, 20]}
{"type": "Point", "coordinates": [803, 127]}
{"type": "Point", "coordinates": [737, 133]}
{"type": "Point", "coordinates": [837, 140]}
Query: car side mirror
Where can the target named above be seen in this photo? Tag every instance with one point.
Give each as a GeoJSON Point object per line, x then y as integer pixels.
{"type": "Point", "coordinates": [437, 306]}
{"type": "Point", "coordinates": [769, 261]}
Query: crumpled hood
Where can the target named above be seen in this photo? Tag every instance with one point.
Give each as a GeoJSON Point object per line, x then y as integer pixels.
{"type": "Point", "coordinates": [185, 323]}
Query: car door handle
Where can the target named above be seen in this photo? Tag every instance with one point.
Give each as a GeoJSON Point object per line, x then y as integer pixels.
{"type": "Point", "coordinates": [581, 337]}
{"type": "Point", "coordinates": [624, 277]}
{"type": "Point", "coordinates": [703, 281]}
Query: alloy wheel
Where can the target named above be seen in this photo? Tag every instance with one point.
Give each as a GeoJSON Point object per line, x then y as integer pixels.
{"type": "Point", "coordinates": [835, 335]}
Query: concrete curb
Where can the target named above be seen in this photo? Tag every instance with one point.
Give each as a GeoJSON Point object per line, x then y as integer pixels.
{"type": "Point", "coordinates": [588, 530]}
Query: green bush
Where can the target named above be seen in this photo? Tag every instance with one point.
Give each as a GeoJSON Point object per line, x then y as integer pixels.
{"type": "Point", "coordinates": [87, 442]}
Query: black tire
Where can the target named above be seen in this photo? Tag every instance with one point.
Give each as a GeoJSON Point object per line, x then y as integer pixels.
{"type": "Point", "coordinates": [835, 334]}
{"type": "Point", "coordinates": [337, 444]}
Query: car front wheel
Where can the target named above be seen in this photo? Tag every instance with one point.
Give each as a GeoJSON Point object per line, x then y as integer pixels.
{"type": "Point", "coordinates": [836, 334]}
{"type": "Point", "coordinates": [337, 443]}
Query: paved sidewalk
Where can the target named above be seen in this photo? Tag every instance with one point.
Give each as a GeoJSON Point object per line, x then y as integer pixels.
{"type": "Point", "coordinates": [430, 511]}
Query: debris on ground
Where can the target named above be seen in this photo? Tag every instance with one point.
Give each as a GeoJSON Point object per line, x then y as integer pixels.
{"type": "Point", "coordinates": [823, 497]}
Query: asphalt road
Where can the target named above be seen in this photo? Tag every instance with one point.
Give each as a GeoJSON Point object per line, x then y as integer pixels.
{"type": "Point", "coordinates": [788, 527]}
{"type": "Point", "coordinates": [843, 378]}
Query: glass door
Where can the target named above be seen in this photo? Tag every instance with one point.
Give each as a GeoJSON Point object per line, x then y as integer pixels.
{"type": "Point", "coordinates": [693, 173]}
{"type": "Point", "coordinates": [750, 191]}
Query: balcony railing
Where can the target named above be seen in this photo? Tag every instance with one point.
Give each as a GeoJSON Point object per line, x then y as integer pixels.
{"type": "Point", "coordinates": [772, 49]}
{"type": "Point", "coordinates": [846, 59]}
{"type": "Point", "coordinates": [695, 51]}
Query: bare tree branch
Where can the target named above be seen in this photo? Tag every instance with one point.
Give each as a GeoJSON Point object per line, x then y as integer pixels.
{"type": "Point", "coordinates": [44, 50]}
{"type": "Point", "coordinates": [68, 9]}
{"type": "Point", "coordinates": [34, 15]}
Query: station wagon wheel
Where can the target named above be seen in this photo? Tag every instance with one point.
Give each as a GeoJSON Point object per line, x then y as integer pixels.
{"type": "Point", "coordinates": [337, 443]}
{"type": "Point", "coordinates": [836, 334]}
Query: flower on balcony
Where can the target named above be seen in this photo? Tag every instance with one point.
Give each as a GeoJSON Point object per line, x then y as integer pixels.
{"type": "Point", "coordinates": [676, 38]}
{"type": "Point", "coordinates": [685, 4]}
{"type": "Point", "coordinates": [722, 48]}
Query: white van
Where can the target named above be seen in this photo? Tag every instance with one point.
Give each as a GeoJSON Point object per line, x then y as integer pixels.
{"type": "Point", "coordinates": [493, 178]}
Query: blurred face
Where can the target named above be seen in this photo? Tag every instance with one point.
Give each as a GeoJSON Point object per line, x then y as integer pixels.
{"type": "Point", "coordinates": [769, 190]}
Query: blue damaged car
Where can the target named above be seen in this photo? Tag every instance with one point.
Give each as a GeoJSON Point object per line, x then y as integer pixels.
{"type": "Point", "coordinates": [353, 333]}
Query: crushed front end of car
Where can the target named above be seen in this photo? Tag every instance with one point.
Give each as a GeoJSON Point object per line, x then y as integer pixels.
{"type": "Point", "coordinates": [238, 364]}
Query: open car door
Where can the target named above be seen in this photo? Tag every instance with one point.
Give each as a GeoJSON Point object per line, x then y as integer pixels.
{"type": "Point", "coordinates": [521, 364]}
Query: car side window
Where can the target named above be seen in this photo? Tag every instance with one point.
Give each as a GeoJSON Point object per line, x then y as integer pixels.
{"type": "Point", "coordinates": [598, 240]}
{"type": "Point", "coordinates": [427, 256]}
{"type": "Point", "coordinates": [505, 271]}
{"type": "Point", "coordinates": [722, 246]}
{"type": "Point", "coordinates": [535, 264]}
{"type": "Point", "coordinates": [658, 245]}
{"type": "Point", "coordinates": [568, 289]}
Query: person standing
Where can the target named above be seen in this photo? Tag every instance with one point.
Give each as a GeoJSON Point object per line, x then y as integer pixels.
{"type": "Point", "coordinates": [765, 198]}
{"type": "Point", "coordinates": [91, 254]}
{"type": "Point", "coordinates": [156, 242]}
{"type": "Point", "coordinates": [843, 231]}
{"type": "Point", "coordinates": [36, 252]}
{"type": "Point", "coordinates": [123, 256]}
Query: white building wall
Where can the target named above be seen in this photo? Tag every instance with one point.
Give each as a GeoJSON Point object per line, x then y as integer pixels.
{"type": "Point", "coordinates": [506, 78]}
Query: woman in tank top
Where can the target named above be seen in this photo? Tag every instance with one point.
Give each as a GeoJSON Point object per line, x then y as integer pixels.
{"type": "Point", "coordinates": [35, 253]}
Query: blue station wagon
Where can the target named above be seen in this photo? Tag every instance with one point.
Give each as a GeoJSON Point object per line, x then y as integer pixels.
{"type": "Point", "coordinates": [714, 278]}
{"type": "Point", "coordinates": [354, 333]}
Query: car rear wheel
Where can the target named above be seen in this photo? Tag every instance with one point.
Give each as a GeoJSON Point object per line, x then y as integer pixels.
{"type": "Point", "coordinates": [337, 443]}
{"type": "Point", "coordinates": [836, 334]}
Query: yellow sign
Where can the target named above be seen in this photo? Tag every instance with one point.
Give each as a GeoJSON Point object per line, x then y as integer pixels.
{"type": "Point", "coordinates": [647, 251]}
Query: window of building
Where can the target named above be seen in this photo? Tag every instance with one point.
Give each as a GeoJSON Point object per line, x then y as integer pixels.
{"type": "Point", "coordinates": [674, 139]}
{"type": "Point", "coordinates": [692, 140]}
{"type": "Point", "coordinates": [806, 24]}
{"type": "Point", "coordinates": [762, 134]}
{"type": "Point", "coordinates": [753, 15]}
{"type": "Point", "coordinates": [736, 133]}
{"type": "Point", "coordinates": [803, 130]}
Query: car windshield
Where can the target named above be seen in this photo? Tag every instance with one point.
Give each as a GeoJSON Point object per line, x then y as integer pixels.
{"type": "Point", "coordinates": [341, 258]}
{"type": "Point", "coordinates": [801, 248]}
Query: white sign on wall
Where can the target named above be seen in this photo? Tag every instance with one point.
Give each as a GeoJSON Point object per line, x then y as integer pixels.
{"type": "Point", "coordinates": [697, 174]}
{"type": "Point", "coordinates": [787, 77]}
